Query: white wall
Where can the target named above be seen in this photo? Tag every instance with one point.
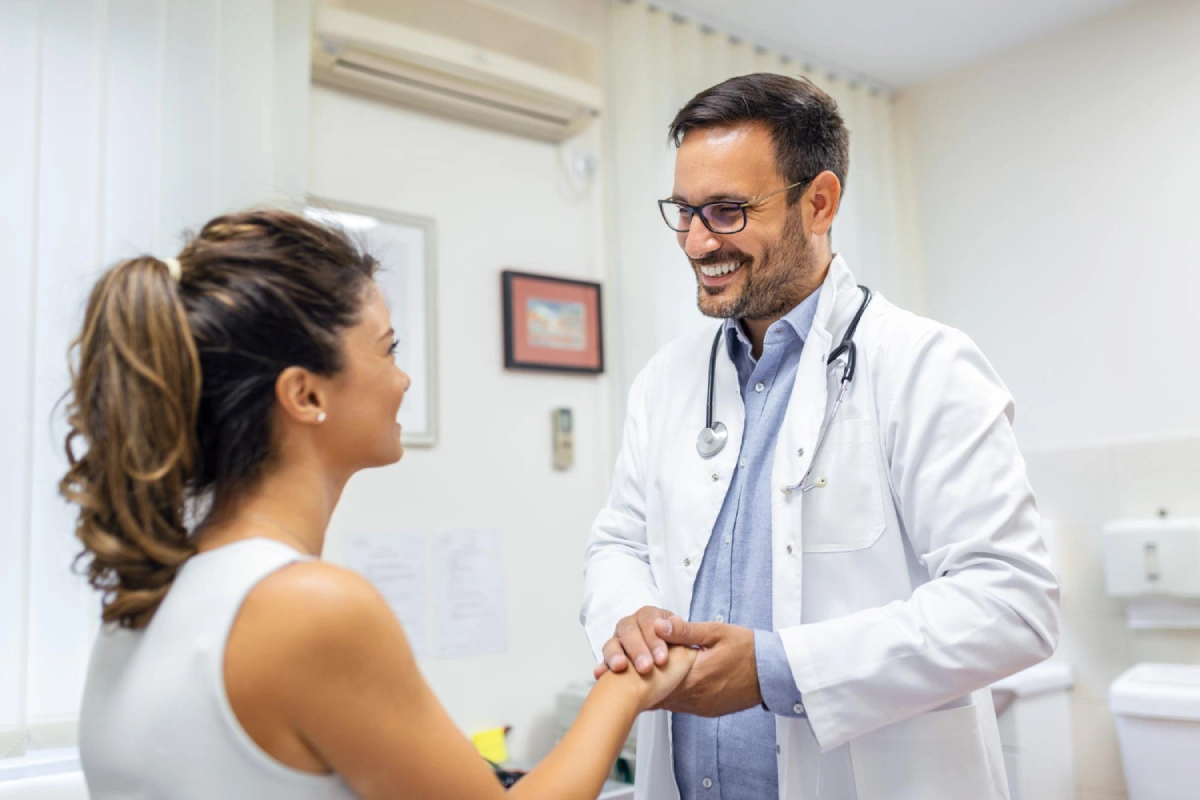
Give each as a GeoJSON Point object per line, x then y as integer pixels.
{"type": "Point", "coordinates": [125, 121]}
{"type": "Point", "coordinates": [1058, 200]}
{"type": "Point", "coordinates": [1058, 204]}
{"type": "Point", "coordinates": [498, 202]}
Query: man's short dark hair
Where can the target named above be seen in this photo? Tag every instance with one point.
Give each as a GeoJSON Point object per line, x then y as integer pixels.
{"type": "Point", "coordinates": [809, 134]}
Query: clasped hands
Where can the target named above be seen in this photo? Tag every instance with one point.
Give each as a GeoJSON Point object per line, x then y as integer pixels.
{"type": "Point", "coordinates": [724, 677]}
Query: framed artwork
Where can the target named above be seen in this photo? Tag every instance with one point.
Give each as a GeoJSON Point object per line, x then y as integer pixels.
{"type": "Point", "coordinates": [552, 324]}
{"type": "Point", "coordinates": [405, 246]}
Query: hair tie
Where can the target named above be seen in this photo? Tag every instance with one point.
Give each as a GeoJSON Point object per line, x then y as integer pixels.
{"type": "Point", "coordinates": [174, 267]}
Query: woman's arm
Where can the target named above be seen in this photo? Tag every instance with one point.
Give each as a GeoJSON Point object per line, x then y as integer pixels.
{"type": "Point", "coordinates": [317, 647]}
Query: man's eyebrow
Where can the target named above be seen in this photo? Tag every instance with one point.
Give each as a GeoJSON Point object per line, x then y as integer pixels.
{"type": "Point", "coordinates": [713, 198]}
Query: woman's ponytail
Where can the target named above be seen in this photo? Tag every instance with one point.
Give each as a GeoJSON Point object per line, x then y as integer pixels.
{"type": "Point", "coordinates": [133, 402]}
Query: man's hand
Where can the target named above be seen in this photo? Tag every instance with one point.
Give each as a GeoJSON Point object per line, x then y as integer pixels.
{"type": "Point", "coordinates": [724, 678]}
{"type": "Point", "coordinates": [636, 641]}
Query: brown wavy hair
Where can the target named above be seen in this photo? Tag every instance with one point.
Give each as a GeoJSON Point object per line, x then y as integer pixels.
{"type": "Point", "coordinates": [173, 387]}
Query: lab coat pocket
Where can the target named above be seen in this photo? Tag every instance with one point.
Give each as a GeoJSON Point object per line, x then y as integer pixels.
{"type": "Point", "coordinates": [939, 755]}
{"type": "Point", "coordinates": [844, 509]}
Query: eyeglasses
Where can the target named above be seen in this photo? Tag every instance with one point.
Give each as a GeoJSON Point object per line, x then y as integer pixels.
{"type": "Point", "coordinates": [722, 216]}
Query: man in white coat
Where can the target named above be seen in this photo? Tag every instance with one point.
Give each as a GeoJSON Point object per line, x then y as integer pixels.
{"type": "Point", "coordinates": [862, 559]}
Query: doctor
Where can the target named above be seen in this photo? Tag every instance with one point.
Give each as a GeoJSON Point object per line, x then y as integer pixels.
{"type": "Point", "coordinates": [827, 499]}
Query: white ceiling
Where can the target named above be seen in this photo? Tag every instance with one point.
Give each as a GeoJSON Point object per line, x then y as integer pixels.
{"type": "Point", "coordinates": [893, 42]}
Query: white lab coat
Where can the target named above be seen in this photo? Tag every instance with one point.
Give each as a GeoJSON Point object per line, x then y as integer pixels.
{"type": "Point", "coordinates": [903, 588]}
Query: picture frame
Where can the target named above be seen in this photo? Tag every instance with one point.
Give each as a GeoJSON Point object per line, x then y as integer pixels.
{"type": "Point", "coordinates": [406, 247]}
{"type": "Point", "coordinates": [552, 324]}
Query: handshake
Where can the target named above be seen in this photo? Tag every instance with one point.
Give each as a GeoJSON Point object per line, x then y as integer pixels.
{"type": "Point", "coordinates": [721, 672]}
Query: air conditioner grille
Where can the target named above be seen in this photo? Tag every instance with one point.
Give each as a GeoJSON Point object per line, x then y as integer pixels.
{"type": "Point", "coordinates": [432, 88]}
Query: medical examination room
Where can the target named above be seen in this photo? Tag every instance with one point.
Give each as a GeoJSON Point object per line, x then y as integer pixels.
{"type": "Point", "coordinates": [619, 399]}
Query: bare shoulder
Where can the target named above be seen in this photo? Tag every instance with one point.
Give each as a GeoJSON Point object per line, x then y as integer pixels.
{"type": "Point", "coordinates": [315, 604]}
{"type": "Point", "coordinates": [317, 584]}
{"type": "Point", "coordinates": [311, 611]}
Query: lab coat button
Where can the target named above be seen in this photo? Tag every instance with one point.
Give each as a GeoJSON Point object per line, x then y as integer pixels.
{"type": "Point", "coordinates": [778, 750]}
{"type": "Point", "coordinates": [707, 783]}
{"type": "Point", "coordinates": [789, 549]}
{"type": "Point", "coordinates": [800, 452]}
{"type": "Point", "coordinates": [716, 477]}
{"type": "Point", "coordinates": [687, 562]}
{"type": "Point", "coordinates": [798, 708]}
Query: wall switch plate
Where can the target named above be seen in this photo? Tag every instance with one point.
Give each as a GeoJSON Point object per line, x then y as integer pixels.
{"type": "Point", "coordinates": [563, 438]}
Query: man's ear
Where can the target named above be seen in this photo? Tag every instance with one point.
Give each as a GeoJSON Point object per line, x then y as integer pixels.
{"type": "Point", "coordinates": [822, 199]}
{"type": "Point", "coordinates": [300, 395]}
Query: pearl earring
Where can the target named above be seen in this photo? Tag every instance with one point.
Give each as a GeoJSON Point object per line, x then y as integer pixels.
{"type": "Point", "coordinates": [320, 416]}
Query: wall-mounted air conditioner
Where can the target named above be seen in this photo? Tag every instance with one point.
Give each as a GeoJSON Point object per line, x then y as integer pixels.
{"type": "Point", "coordinates": [466, 60]}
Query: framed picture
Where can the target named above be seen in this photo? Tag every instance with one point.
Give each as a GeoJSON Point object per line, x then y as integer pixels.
{"type": "Point", "coordinates": [552, 324]}
{"type": "Point", "coordinates": [405, 247]}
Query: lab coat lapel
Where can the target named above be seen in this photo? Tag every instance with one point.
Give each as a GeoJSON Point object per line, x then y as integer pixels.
{"type": "Point", "coordinates": [797, 440]}
{"type": "Point", "coordinates": [710, 478]}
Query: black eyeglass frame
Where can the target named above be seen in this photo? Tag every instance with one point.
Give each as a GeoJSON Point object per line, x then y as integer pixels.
{"type": "Point", "coordinates": [698, 211]}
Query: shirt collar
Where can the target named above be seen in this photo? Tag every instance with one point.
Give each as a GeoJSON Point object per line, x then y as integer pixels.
{"type": "Point", "coordinates": [799, 319]}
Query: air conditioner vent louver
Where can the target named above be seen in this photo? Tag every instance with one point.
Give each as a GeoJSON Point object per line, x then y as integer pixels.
{"type": "Point", "coordinates": [463, 80]}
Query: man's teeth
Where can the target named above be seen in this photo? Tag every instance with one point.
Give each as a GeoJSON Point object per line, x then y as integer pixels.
{"type": "Point", "coordinates": [720, 269]}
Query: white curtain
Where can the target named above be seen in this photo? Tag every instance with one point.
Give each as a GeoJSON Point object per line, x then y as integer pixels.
{"type": "Point", "coordinates": [124, 123]}
{"type": "Point", "coordinates": [657, 62]}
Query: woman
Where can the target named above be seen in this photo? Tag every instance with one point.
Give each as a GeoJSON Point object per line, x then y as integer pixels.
{"type": "Point", "coordinates": [242, 384]}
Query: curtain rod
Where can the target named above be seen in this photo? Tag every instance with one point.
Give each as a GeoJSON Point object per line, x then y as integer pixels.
{"type": "Point", "coordinates": [737, 33]}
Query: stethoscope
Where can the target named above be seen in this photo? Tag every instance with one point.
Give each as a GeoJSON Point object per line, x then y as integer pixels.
{"type": "Point", "coordinates": [712, 439]}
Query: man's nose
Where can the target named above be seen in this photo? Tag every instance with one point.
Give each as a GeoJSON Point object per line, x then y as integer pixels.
{"type": "Point", "coordinates": [699, 240]}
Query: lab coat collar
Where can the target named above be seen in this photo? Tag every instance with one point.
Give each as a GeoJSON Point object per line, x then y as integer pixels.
{"type": "Point", "coordinates": [839, 300]}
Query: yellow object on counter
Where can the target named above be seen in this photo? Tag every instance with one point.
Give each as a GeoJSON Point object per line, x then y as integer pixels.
{"type": "Point", "coordinates": [491, 745]}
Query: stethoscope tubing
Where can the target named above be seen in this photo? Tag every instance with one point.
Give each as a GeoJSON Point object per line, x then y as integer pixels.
{"type": "Point", "coordinates": [847, 347]}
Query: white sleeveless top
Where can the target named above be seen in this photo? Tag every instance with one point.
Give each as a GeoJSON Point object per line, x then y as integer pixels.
{"type": "Point", "coordinates": [156, 723]}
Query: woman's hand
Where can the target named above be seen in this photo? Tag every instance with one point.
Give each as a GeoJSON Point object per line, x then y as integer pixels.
{"type": "Point", "coordinates": [662, 681]}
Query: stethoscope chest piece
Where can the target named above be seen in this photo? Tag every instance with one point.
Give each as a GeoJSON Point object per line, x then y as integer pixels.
{"type": "Point", "coordinates": [712, 440]}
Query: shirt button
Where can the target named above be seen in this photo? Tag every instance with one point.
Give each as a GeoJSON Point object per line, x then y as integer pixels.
{"type": "Point", "coordinates": [758, 387]}
{"type": "Point", "coordinates": [798, 708]}
{"type": "Point", "coordinates": [728, 540]}
{"type": "Point", "coordinates": [742, 463]}
{"type": "Point", "coordinates": [720, 617]}
{"type": "Point", "coordinates": [707, 782]}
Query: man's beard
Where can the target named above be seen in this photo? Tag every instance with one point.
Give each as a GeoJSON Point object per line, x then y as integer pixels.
{"type": "Point", "coordinates": [771, 287]}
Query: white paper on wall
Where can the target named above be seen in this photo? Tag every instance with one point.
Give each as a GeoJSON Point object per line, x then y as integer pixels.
{"type": "Point", "coordinates": [470, 609]}
{"type": "Point", "coordinates": [396, 564]}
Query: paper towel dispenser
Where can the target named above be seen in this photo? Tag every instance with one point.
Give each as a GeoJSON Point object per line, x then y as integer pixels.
{"type": "Point", "coordinates": [1155, 564]}
{"type": "Point", "coordinates": [1156, 556]}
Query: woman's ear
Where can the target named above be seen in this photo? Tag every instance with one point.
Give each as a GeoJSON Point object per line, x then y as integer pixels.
{"type": "Point", "coordinates": [300, 395]}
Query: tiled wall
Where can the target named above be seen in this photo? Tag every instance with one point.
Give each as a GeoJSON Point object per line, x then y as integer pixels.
{"type": "Point", "coordinates": [1079, 490]}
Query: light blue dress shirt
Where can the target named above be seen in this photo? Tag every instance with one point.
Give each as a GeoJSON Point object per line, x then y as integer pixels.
{"type": "Point", "coordinates": [733, 757]}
